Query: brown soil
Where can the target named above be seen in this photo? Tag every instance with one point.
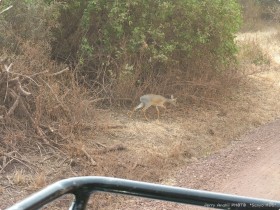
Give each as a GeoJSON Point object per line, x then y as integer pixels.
{"type": "Point", "coordinates": [191, 146]}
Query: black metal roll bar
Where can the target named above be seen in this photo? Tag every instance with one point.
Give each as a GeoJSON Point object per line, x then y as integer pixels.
{"type": "Point", "coordinates": [83, 187]}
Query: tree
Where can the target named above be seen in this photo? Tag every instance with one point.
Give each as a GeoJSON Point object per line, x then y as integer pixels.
{"type": "Point", "coordinates": [103, 33]}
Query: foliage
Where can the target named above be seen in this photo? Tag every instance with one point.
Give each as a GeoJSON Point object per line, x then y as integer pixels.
{"type": "Point", "coordinates": [134, 40]}
{"type": "Point", "coordinates": [129, 44]}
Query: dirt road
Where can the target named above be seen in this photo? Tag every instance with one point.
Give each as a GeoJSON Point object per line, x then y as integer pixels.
{"type": "Point", "coordinates": [260, 175]}
{"type": "Point", "coordinates": [250, 166]}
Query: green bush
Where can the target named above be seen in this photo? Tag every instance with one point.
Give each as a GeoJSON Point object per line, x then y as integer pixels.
{"type": "Point", "coordinates": [136, 42]}
{"type": "Point", "coordinates": [120, 40]}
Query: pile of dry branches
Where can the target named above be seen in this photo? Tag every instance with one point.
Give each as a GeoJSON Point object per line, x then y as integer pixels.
{"type": "Point", "coordinates": [13, 97]}
{"type": "Point", "coordinates": [14, 103]}
{"type": "Point", "coordinates": [10, 88]}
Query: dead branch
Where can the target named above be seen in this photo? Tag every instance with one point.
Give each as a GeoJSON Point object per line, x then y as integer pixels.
{"type": "Point", "coordinates": [16, 82]}
{"type": "Point", "coordinates": [115, 148]}
{"type": "Point", "coordinates": [26, 77]}
{"type": "Point", "coordinates": [99, 99]}
{"type": "Point", "coordinates": [4, 10]}
{"type": "Point", "coordinates": [13, 157]}
{"type": "Point", "coordinates": [93, 162]}
{"type": "Point", "coordinates": [16, 92]}
{"type": "Point", "coordinates": [39, 73]}
{"type": "Point", "coordinates": [17, 97]}
{"type": "Point", "coordinates": [60, 72]}
{"type": "Point", "coordinates": [5, 164]}
{"type": "Point", "coordinates": [99, 144]}
{"type": "Point", "coordinates": [14, 106]}
{"type": "Point", "coordinates": [7, 68]}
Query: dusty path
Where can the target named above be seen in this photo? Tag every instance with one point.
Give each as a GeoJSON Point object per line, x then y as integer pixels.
{"type": "Point", "coordinates": [260, 176]}
{"type": "Point", "coordinates": [250, 166]}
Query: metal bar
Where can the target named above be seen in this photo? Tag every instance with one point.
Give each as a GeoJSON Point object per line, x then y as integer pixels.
{"type": "Point", "coordinates": [84, 186]}
{"type": "Point", "coordinates": [80, 202]}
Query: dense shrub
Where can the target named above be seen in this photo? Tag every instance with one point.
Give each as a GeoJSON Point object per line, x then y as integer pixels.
{"type": "Point", "coordinates": [135, 41]}
{"type": "Point", "coordinates": [123, 45]}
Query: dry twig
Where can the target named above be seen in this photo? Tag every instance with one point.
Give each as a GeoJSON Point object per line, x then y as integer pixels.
{"type": "Point", "coordinates": [93, 162]}
{"type": "Point", "coordinates": [12, 157]}
{"type": "Point", "coordinates": [60, 72]}
{"type": "Point", "coordinates": [4, 10]}
{"type": "Point", "coordinates": [12, 109]}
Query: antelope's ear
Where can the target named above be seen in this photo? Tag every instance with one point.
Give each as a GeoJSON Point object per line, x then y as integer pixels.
{"type": "Point", "coordinates": [172, 97]}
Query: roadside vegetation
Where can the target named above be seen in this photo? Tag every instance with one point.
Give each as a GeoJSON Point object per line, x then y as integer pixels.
{"type": "Point", "coordinates": [73, 56]}
{"type": "Point", "coordinates": [71, 71]}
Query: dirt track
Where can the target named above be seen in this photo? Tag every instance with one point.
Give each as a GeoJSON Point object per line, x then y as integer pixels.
{"type": "Point", "coordinates": [248, 167]}
{"type": "Point", "coordinates": [260, 176]}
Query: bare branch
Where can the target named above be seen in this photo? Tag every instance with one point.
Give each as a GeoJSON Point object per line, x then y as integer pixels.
{"type": "Point", "coordinates": [22, 91]}
{"type": "Point", "coordinates": [27, 77]}
{"type": "Point", "coordinates": [16, 82]}
{"type": "Point", "coordinates": [6, 9]}
{"type": "Point", "coordinates": [7, 68]}
{"type": "Point", "coordinates": [12, 109]}
{"type": "Point", "coordinates": [93, 162]}
{"type": "Point", "coordinates": [60, 72]}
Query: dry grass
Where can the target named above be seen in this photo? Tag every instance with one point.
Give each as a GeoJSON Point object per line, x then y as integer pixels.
{"type": "Point", "coordinates": [39, 181]}
{"type": "Point", "coordinates": [149, 151]}
{"type": "Point", "coordinates": [252, 53]}
{"type": "Point", "coordinates": [19, 178]}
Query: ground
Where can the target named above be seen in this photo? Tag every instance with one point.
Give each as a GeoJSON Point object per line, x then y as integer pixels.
{"type": "Point", "coordinates": [211, 147]}
{"type": "Point", "coordinates": [249, 166]}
